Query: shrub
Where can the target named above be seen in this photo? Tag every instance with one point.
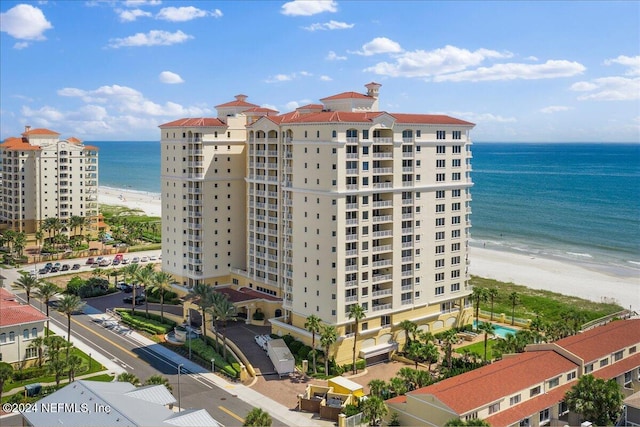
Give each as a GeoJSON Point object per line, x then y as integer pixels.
{"type": "Point", "coordinates": [28, 373]}
{"type": "Point", "coordinates": [304, 351]}
{"type": "Point", "coordinates": [288, 339]}
{"type": "Point", "coordinates": [142, 323]}
{"type": "Point", "coordinates": [360, 364]}
{"type": "Point", "coordinates": [258, 315]}
{"type": "Point", "coordinates": [295, 346]}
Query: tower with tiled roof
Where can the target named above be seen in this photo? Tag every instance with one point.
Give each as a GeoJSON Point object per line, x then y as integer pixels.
{"type": "Point", "coordinates": [44, 176]}
{"type": "Point", "coordinates": [342, 204]}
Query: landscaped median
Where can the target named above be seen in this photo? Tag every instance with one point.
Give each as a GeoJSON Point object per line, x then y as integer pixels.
{"type": "Point", "coordinates": [152, 324]}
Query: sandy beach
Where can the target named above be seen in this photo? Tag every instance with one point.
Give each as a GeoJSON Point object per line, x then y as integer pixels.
{"type": "Point", "coordinates": [582, 280]}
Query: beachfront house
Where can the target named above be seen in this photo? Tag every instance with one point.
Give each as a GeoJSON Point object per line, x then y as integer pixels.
{"type": "Point", "coordinates": [20, 324]}
{"type": "Point", "coordinates": [527, 389]}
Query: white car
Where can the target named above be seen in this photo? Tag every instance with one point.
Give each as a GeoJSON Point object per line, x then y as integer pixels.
{"type": "Point", "coordinates": [144, 259]}
{"type": "Point", "coordinates": [153, 258]}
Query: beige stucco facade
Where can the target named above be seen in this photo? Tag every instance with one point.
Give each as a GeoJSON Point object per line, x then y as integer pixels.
{"type": "Point", "coordinates": [332, 205]}
{"type": "Point", "coordinates": [43, 177]}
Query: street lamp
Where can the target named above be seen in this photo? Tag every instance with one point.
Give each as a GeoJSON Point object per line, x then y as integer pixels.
{"type": "Point", "coordinates": [179, 369]}
{"type": "Point", "coordinates": [213, 365]}
{"type": "Point", "coordinates": [189, 332]}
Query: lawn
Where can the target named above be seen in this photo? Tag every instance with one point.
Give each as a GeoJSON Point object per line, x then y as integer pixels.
{"type": "Point", "coordinates": [478, 348]}
{"type": "Point", "coordinates": [550, 306]}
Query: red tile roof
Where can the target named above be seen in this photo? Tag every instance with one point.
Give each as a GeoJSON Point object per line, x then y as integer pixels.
{"type": "Point", "coordinates": [40, 131]}
{"type": "Point", "coordinates": [90, 148]}
{"type": "Point", "coordinates": [195, 122]}
{"type": "Point", "coordinates": [603, 340]}
{"type": "Point", "coordinates": [434, 119]}
{"type": "Point", "coordinates": [18, 144]}
{"type": "Point", "coordinates": [477, 388]}
{"type": "Point", "coordinates": [237, 103]}
{"type": "Point", "coordinates": [74, 140]}
{"type": "Point", "coordinates": [528, 407]}
{"type": "Point", "coordinates": [618, 368]}
{"type": "Point", "coordinates": [245, 294]}
{"type": "Point", "coordinates": [346, 95]}
{"type": "Point", "coordinates": [14, 313]}
{"type": "Point", "coordinates": [259, 110]}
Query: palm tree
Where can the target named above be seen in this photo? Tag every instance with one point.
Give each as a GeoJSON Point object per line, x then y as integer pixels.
{"type": "Point", "coordinates": [130, 272]}
{"type": "Point", "coordinates": [73, 363]}
{"type": "Point", "coordinates": [224, 311]}
{"type": "Point", "coordinates": [161, 283]}
{"type": "Point", "coordinates": [19, 243]}
{"type": "Point", "coordinates": [488, 329]}
{"type": "Point", "coordinates": [313, 324]}
{"type": "Point", "coordinates": [6, 373]}
{"type": "Point", "coordinates": [38, 343]}
{"type": "Point", "coordinates": [328, 336]}
{"type": "Point", "coordinates": [258, 418]}
{"type": "Point", "coordinates": [448, 339]}
{"type": "Point", "coordinates": [478, 295]}
{"type": "Point", "coordinates": [492, 293]}
{"type": "Point", "coordinates": [159, 380]}
{"type": "Point", "coordinates": [145, 277]}
{"type": "Point", "coordinates": [54, 344]}
{"type": "Point", "coordinates": [68, 305]}
{"type": "Point", "coordinates": [28, 283]}
{"type": "Point", "coordinates": [376, 387]}
{"type": "Point", "coordinates": [409, 329]}
{"type": "Point", "coordinates": [398, 385]}
{"type": "Point", "coordinates": [356, 312]}
{"type": "Point", "coordinates": [515, 299]}
{"type": "Point", "coordinates": [126, 377]}
{"type": "Point", "coordinates": [39, 236]}
{"type": "Point", "coordinates": [47, 290]}
{"type": "Point", "coordinates": [57, 368]}
{"type": "Point", "coordinates": [206, 297]}
{"type": "Point", "coordinates": [373, 409]}
{"type": "Point", "coordinates": [75, 222]}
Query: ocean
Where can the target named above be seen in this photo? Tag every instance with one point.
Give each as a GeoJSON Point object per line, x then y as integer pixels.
{"type": "Point", "coordinates": [576, 202]}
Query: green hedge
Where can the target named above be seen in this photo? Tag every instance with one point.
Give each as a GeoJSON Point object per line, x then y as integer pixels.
{"type": "Point", "coordinates": [150, 325]}
{"type": "Point", "coordinates": [207, 353]}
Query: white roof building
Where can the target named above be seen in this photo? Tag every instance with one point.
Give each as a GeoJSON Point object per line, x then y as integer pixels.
{"type": "Point", "coordinates": [93, 403]}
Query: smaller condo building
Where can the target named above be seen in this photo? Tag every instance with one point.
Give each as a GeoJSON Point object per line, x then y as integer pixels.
{"type": "Point", "coordinates": [20, 324]}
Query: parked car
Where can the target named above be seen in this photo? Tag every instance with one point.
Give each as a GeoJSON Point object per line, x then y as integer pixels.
{"type": "Point", "coordinates": [144, 259]}
{"type": "Point", "coordinates": [153, 258]}
{"type": "Point", "coordinates": [76, 267]}
{"type": "Point", "coordinates": [115, 262]}
{"type": "Point", "coordinates": [57, 264]}
{"type": "Point", "coordinates": [54, 269]}
{"type": "Point", "coordinates": [129, 299]}
{"type": "Point", "coordinates": [104, 262]}
{"type": "Point", "coordinates": [48, 265]}
{"type": "Point", "coordinates": [122, 286]}
{"type": "Point", "coordinates": [90, 261]}
{"type": "Point", "coordinates": [135, 260]}
{"type": "Point", "coordinates": [43, 270]}
{"type": "Point", "coordinates": [65, 267]}
{"type": "Point", "coordinates": [125, 261]}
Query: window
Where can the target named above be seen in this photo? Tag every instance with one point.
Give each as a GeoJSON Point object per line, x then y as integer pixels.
{"type": "Point", "coordinates": [514, 400]}
{"type": "Point", "coordinates": [632, 350]}
{"type": "Point", "coordinates": [571, 375]}
{"type": "Point", "coordinates": [455, 247]}
{"type": "Point", "coordinates": [544, 416]}
{"type": "Point", "coordinates": [439, 263]}
{"type": "Point", "coordinates": [455, 193]}
{"type": "Point", "coordinates": [456, 134]}
{"type": "Point", "coordinates": [440, 235]}
{"type": "Point", "coordinates": [25, 334]}
{"type": "Point", "coordinates": [439, 222]}
{"type": "Point", "coordinates": [441, 134]}
{"type": "Point", "coordinates": [455, 260]}
{"type": "Point", "coordinates": [455, 233]}
{"type": "Point", "coordinates": [455, 207]}
{"type": "Point", "coordinates": [385, 321]}
{"type": "Point", "coordinates": [588, 368]}
{"type": "Point", "coordinates": [440, 249]}
{"type": "Point", "coordinates": [455, 287]}
{"type": "Point", "coordinates": [440, 149]}
{"type": "Point", "coordinates": [455, 220]}
{"type": "Point", "coordinates": [440, 163]}
{"type": "Point", "coordinates": [440, 278]}
{"type": "Point", "coordinates": [439, 289]}
{"type": "Point", "coordinates": [618, 355]}
{"type": "Point", "coordinates": [456, 163]}
{"type": "Point", "coordinates": [555, 382]}
{"type": "Point", "coordinates": [455, 176]}
{"type": "Point", "coordinates": [604, 362]}
{"type": "Point", "coordinates": [3, 338]}
{"type": "Point", "coordinates": [534, 391]}
{"type": "Point", "coordinates": [494, 408]}
{"type": "Point", "coordinates": [439, 177]}
{"type": "Point", "coordinates": [457, 149]}
{"type": "Point", "coordinates": [440, 194]}
{"type": "Point", "coordinates": [31, 353]}
{"type": "Point", "coordinates": [440, 208]}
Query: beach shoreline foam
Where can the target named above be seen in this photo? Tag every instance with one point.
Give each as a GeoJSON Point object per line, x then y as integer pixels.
{"type": "Point", "coordinates": [577, 278]}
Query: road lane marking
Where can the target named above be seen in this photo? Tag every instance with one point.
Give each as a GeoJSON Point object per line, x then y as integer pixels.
{"type": "Point", "coordinates": [130, 353]}
{"type": "Point", "coordinates": [229, 412]}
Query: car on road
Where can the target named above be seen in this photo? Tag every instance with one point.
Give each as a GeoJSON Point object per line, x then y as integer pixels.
{"type": "Point", "coordinates": [124, 261]}
{"type": "Point", "coordinates": [48, 265]}
{"type": "Point", "coordinates": [57, 264]}
{"type": "Point", "coordinates": [144, 259]}
{"type": "Point", "coordinates": [54, 269]}
{"type": "Point", "coordinates": [43, 270]}
{"type": "Point", "coordinates": [135, 260]}
{"type": "Point", "coordinates": [90, 261]}
{"type": "Point", "coordinates": [153, 258]}
{"type": "Point", "coordinates": [65, 267]}
{"type": "Point", "coordinates": [115, 262]}
{"type": "Point", "coordinates": [76, 267]}
{"type": "Point", "coordinates": [140, 299]}
{"type": "Point", "coordinates": [104, 262]}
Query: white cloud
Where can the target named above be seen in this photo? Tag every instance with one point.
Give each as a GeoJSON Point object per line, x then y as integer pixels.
{"type": "Point", "coordinates": [609, 89]}
{"type": "Point", "coordinates": [136, 3]}
{"type": "Point", "coordinates": [435, 62]}
{"type": "Point", "coordinates": [554, 109]}
{"type": "Point", "coordinates": [47, 113]}
{"type": "Point", "coordinates": [308, 7]}
{"type": "Point", "coordinates": [132, 15]}
{"type": "Point", "coordinates": [187, 13]}
{"type": "Point", "coordinates": [633, 62]}
{"type": "Point", "coordinates": [483, 117]}
{"type": "Point", "coordinates": [269, 106]}
{"type": "Point", "coordinates": [379, 45]}
{"type": "Point", "coordinates": [326, 78]}
{"type": "Point", "coordinates": [331, 25]}
{"type": "Point", "coordinates": [332, 56]}
{"type": "Point", "coordinates": [21, 45]}
{"type": "Point", "coordinates": [511, 71]}
{"type": "Point", "coordinates": [292, 105]}
{"type": "Point", "coordinates": [170, 78]}
{"type": "Point", "coordinates": [287, 77]}
{"type": "Point", "coordinates": [152, 38]}
{"type": "Point", "coordinates": [532, 58]}
{"type": "Point", "coordinates": [24, 22]}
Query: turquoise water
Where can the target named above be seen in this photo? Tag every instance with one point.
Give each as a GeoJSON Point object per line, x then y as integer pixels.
{"type": "Point", "coordinates": [577, 202]}
{"type": "Point", "coordinates": [500, 331]}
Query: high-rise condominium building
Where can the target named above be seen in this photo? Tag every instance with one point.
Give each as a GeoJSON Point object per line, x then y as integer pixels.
{"type": "Point", "coordinates": [43, 177]}
{"type": "Point", "coordinates": [322, 208]}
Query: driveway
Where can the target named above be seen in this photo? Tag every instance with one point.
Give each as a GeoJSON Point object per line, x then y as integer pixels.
{"type": "Point", "coordinates": [243, 336]}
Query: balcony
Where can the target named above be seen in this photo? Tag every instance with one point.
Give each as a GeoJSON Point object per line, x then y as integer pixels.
{"type": "Point", "coordinates": [383, 155]}
{"type": "Point", "coordinates": [406, 288]}
{"type": "Point", "coordinates": [381, 140]}
{"type": "Point", "coordinates": [407, 201]}
{"type": "Point", "coordinates": [406, 154]}
{"type": "Point", "coordinates": [352, 252]}
{"type": "Point", "coordinates": [382, 203]}
{"type": "Point", "coordinates": [351, 237]}
{"type": "Point", "coordinates": [352, 221]}
{"type": "Point", "coordinates": [382, 218]}
{"type": "Point", "coordinates": [351, 284]}
{"type": "Point", "coordinates": [353, 298]}
{"type": "Point", "coordinates": [381, 293]}
{"type": "Point", "coordinates": [381, 307]}
{"type": "Point", "coordinates": [382, 171]}
{"type": "Point", "coordinates": [406, 273]}
{"type": "Point", "coordinates": [382, 278]}
{"type": "Point", "coordinates": [407, 301]}
{"type": "Point", "coordinates": [382, 248]}
{"type": "Point", "coordinates": [408, 230]}
{"type": "Point", "coordinates": [383, 233]}
{"type": "Point", "coordinates": [382, 263]}
{"type": "Point", "coordinates": [352, 171]}
{"type": "Point", "coordinates": [351, 268]}
{"type": "Point", "coordinates": [383, 185]}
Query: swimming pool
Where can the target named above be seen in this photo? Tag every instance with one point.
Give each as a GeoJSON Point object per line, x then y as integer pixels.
{"type": "Point", "coordinates": [500, 331]}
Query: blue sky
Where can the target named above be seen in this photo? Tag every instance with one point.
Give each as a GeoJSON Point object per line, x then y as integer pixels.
{"type": "Point", "coordinates": [522, 71]}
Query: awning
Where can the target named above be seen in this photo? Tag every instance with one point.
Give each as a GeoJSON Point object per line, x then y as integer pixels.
{"type": "Point", "coordinates": [377, 350]}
